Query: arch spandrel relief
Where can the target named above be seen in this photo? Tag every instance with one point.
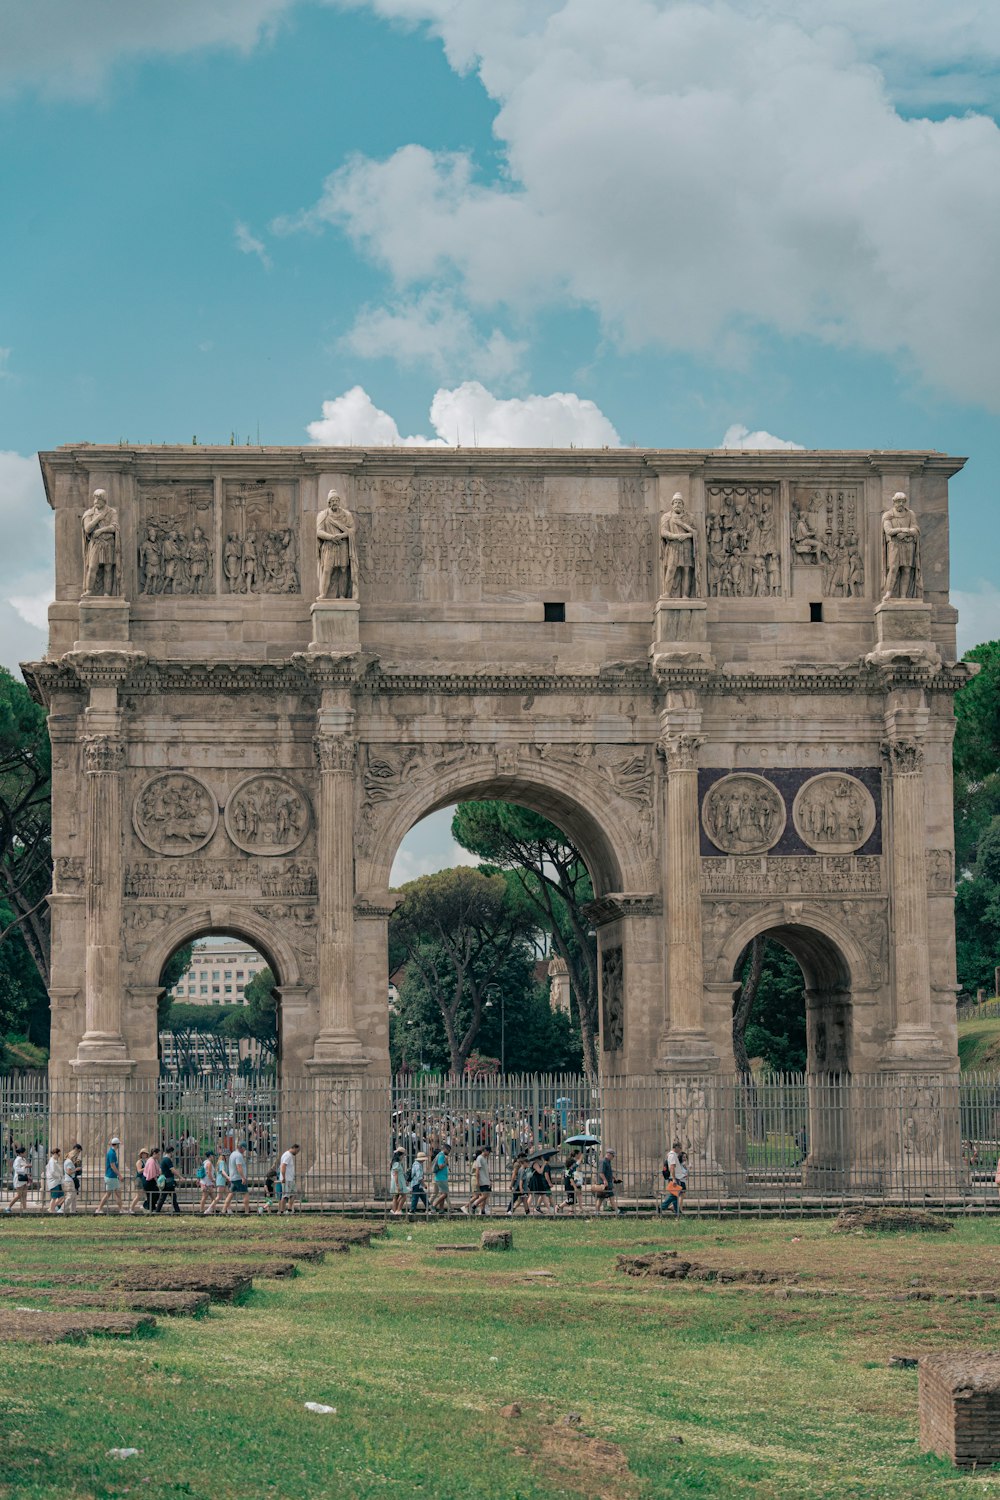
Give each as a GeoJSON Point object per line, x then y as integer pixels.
{"type": "Point", "coordinates": [175, 813]}
{"type": "Point", "coordinates": [743, 814]}
{"type": "Point", "coordinates": [267, 815]}
{"type": "Point", "coordinates": [834, 814]}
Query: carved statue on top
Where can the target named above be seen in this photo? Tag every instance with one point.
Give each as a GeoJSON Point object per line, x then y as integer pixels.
{"type": "Point", "coordinates": [102, 549]}
{"type": "Point", "coordinates": [336, 551]}
{"type": "Point", "coordinates": [901, 552]}
{"type": "Point", "coordinates": [678, 553]}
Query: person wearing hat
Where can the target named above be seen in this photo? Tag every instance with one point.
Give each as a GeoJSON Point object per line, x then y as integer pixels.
{"type": "Point", "coordinates": [238, 1184]}
{"type": "Point", "coordinates": [397, 1181]}
{"type": "Point", "coordinates": [418, 1191]}
{"type": "Point", "coordinates": [112, 1176]}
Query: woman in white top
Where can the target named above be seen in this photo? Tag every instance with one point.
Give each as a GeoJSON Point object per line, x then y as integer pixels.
{"type": "Point", "coordinates": [69, 1183]}
{"type": "Point", "coordinates": [54, 1181]}
{"type": "Point", "coordinates": [20, 1181]}
{"type": "Point", "coordinates": [207, 1200]}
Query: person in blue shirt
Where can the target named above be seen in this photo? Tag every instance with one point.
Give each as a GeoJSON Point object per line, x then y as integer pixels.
{"type": "Point", "coordinates": [112, 1176]}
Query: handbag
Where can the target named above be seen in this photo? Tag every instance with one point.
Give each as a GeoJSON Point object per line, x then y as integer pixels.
{"type": "Point", "coordinates": [161, 1182]}
{"type": "Point", "coordinates": [200, 1174]}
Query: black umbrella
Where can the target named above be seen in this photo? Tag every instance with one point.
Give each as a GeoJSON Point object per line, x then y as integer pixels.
{"type": "Point", "coordinates": [582, 1140]}
{"type": "Point", "coordinates": [543, 1155]}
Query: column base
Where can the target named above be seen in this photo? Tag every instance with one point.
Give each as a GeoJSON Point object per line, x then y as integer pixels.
{"type": "Point", "coordinates": [917, 1049]}
{"type": "Point", "coordinates": [102, 1052]}
{"type": "Point", "coordinates": [685, 1052]}
{"type": "Point", "coordinates": [335, 627]}
{"type": "Point", "coordinates": [337, 1052]}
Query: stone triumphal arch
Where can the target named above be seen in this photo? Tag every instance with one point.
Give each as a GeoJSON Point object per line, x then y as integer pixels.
{"type": "Point", "coordinates": [728, 676]}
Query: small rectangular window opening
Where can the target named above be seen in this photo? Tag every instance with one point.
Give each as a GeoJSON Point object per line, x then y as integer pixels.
{"type": "Point", "coordinates": [816, 614]}
{"type": "Point", "coordinates": [555, 614]}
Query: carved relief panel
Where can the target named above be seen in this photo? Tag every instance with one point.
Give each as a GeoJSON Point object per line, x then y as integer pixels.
{"type": "Point", "coordinates": [175, 539]}
{"type": "Point", "coordinates": [827, 533]}
{"type": "Point", "coordinates": [260, 538]}
{"type": "Point", "coordinates": [613, 999]}
{"type": "Point", "coordinates": [267, 815]}
{"type": "Point", "coordinates": [834, 814]}
{"type": "Point", "coordinates": [743, 814]}
{"type": "Point", "coordinates": [175, 813]}
{"type": "Point", "coordinates": [742, 541]}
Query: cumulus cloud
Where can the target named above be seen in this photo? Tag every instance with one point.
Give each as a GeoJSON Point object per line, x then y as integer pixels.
{"type": "Point", "coordinates": [249, 244]}
{"type": "Point", "coordinates": [472, 417]}
{"type": "Point", "coordinates": [697, 173]}
{"type": "Point", "coordinates": [67, 47]}
{"type": "Point", "coordinates": [26, 585]}
{"type": "Point", "coordinates": [431, 331]}
{"type": "Point", "coordinates": [978, 614]}
{"type": "Point", "coordinates": [739, 436]}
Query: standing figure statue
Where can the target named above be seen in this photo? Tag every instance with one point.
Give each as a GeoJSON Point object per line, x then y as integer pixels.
{"type": "Point", "coordinates": [678, 557]}
{"type": "Point", "coordinates": [336, 551]}
{"type": "Point", "coordinates": [102, 548]}
{"type": "Point", "coordinates": [901, 552]}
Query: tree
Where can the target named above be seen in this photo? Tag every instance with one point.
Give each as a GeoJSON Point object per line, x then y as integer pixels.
{"type": "Point", "coordinates": [977, 914]}
{"type": "Point", "coordinates": [257, 1018]}
{"type": "Point", "coordinates": [456, 930]}
{"type": "Point", "coordinates": [25, 821]}
{"type": "Point", "coordinates": [976, 756]}
{"type": "Point", "coordinates": [177, 964]}
{"type": "Point", "coordinates": [769, 1013]}
{"type": "Point", "coordinates": [185, 1023]}
{"type": "Point", "coordinates": [555, 885]}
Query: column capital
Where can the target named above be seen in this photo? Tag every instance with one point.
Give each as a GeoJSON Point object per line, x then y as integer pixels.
{"type": "Point", "coordinates": [679, 750]}
{"type": "Point", "coordinates": [103, 752]}
{"type": "Point", "coordinates": [903, 757]}
{"type": "Point", "coordinates": [335, 752]}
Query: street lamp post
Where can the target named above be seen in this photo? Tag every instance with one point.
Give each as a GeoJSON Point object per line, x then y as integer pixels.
{"type": "Point", "coordinates": [494, 989]}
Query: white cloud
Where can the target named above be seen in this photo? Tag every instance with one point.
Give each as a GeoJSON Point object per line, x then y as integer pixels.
{"type": "Point", "coordinates": [696, 173]}
{"type": "Point", "coordinates": [26, 581]}
{"type": "Point", "coordinates": [978, 614]}
{"type": "Point", "coordinates": [67, 47]}
{"type": "Point", "coordinates": [430, 330]}
{"type": "Point", "coordinates": [248, 242]}
{"type": "Point", "coordinates": [472, 417]}
{"type": "Point", "coordinates": [739, 436]}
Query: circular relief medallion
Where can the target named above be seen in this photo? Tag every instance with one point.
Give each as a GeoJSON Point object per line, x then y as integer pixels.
{"type": "Point", "coordinates": [267, 815]}
{"type": "Point", "coordinates": [833, 813]}
{"type": "Point", "coordinates": [743, 814]}
{"type": "Point", "coordinates": [175, 813]}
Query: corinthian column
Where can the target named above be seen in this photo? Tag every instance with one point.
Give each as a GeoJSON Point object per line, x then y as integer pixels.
{"type": "Point", "coordinates": [686, 1046]}
{"type": "Point", "coordinates": [104, 766]}
{"type": "Point", "coordinates": [338, 1042]}
{"type": "Point", "coordinates": [914, 1038]}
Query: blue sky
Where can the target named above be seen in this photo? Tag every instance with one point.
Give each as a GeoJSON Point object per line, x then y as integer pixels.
{"type": "Point", "coordinates": [523, 220]}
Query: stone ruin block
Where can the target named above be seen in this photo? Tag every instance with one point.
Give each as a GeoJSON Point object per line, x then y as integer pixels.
{"type": "Point", "coordinates": [959, 1399]}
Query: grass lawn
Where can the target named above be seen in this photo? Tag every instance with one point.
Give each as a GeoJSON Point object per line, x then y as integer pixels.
{"type": "Point", "coordinates": [979, 1045]}
{"type": "Point", "coordinates": [420, 1351]}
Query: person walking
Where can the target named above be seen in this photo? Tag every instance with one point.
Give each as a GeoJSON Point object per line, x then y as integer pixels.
{"type": "Point", "coordinates": [239, 1186]}
{"type": "Point", "coordinates": [167, 1183]}
{"type": "Point", "coordinates": [150, 1173]}
{"type": "Point", "coordinates": [606, 1182]}
{"type": "Point", "coordinates": [397, 1182]}
{"type": "Point", "coordinates": [518, 1193]}
{"type": "Point", "coordinates": [439, 1176]}
{"type": "Point", "coordinates": [571, 1168]}
{"type": "Point", "coordinates": [676, 1187]}
{"type": "Point", "coordinates": [20, 1181]}
{"type": "Point", "coordinates": [112, 1177]}
{"type": "Point", "coordinates": [54, 1181]}
{"type": "Point", "coordinates": [286, 1179]}
{"type": "Point", "coordinates": [139, 1195]}
{"type": "Point", "coordinates": [206, 1177]}
{"type": "Point", "coordinates": [482, 1182]}
{"type": "Point", "coordinates": [71, 1167]}
{"type": "Point", "coordinates": [540, 1185]}
{"type": "Point", "coordinates": [418, 1190]}
{"type": "Point", "coordinates": [221, 1177]}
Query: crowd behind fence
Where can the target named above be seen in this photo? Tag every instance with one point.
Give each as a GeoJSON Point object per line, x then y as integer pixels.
{"type": "Point", "coordinates": [767, 1143]}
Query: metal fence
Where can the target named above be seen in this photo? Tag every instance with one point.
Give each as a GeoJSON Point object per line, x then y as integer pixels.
{"type": "Point", "coordinates": [770, 1144]}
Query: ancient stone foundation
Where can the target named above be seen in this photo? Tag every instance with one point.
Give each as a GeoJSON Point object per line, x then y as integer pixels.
{"type": "Point", "coordinates": [960, 1406]}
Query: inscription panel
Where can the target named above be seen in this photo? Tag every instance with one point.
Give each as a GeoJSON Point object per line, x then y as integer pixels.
{"type": "Point", "coordinates": [480, 536]}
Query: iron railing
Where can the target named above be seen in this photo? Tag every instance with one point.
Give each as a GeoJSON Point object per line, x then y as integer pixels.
{"type": "Point", "coordinates": [769, 1144]}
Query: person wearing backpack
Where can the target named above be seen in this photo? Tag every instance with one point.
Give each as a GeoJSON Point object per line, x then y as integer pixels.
{"type": "Point", "coordinates": [206, 1177]}
{"type": "Point", "coordinates": [439, 1173]}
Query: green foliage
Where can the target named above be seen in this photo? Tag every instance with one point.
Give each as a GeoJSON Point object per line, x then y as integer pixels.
{"type": "Point", "coordinates": [257, 1019]}
{"type": "Point", "coordinates": [553, 884]}
{"type": "Point", "coordinates": [24, 1000]}
{"type": "Point", "coordinates": [457, 930]}
{"type": "Point", "coordinates": [977, 914]}
{"type": "Point", "coordinates": [977, 754]}
{"type": "Point", "coordinates": [177, 964]}
{"type": "Point", "coordinates": [25, 821]}
{"type": "Point", "coordinates": [776, 1029]}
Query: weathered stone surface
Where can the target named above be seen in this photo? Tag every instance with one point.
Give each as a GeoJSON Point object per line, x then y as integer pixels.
{"type": "Point", "coordinates": [497, 1239]}
{"type": "Point", "coordinates": [959, 1396]}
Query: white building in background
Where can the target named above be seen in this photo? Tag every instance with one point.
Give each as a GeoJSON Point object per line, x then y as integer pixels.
{"type": "Point", "coordinates": [220, 970]}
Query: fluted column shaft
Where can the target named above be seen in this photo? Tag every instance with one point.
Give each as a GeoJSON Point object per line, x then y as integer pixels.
{"type": "Point", "coordinates": [686, 1045]}
{"type": "Point", "coordinates": [909, 885]}
{"type": "Point", "coordinates": [104, 767]}
{"type": "Point", "coordinates": [338, 1039]}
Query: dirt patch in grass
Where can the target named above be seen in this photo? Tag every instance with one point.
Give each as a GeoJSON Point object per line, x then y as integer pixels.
{"type": "Point", "coordinates": [51, 1326]}
{"type": "Point", "coordinates": [671, 1266]}
{"type": "Point", "coordinates": [574, 1460]}
{"type": "Point", "coordinates": [890, 1221]}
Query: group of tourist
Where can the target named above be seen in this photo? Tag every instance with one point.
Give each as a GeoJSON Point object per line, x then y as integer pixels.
{"type": "Point", "coordinates": [530, 1183]}
{"type": "Point", "coordinates": [222, 1178]}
